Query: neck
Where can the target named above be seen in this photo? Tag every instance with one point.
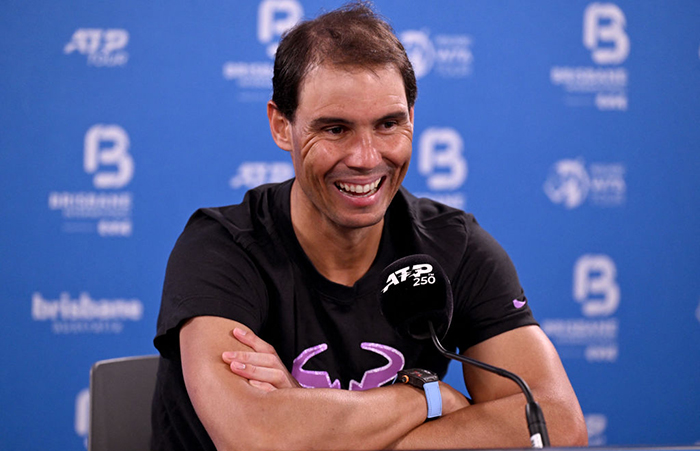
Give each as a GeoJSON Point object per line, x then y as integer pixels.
{"type": "Point", "coordinates": [341, 255]}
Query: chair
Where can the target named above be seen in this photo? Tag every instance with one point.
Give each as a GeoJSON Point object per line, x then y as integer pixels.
{"type": "Point", "coordinates": [121, 391]}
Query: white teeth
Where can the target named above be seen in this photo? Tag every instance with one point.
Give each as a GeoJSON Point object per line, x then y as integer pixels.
{"type": "Point", "coordinates": [359, 189]}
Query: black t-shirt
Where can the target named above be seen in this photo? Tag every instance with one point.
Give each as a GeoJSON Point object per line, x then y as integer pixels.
{"type": "Point", "coordinates": [243, 262]}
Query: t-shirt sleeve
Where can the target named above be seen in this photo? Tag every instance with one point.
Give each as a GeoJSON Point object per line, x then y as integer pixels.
{"type": "Point", "coordinates": [208, 274]}
{"type": "Point", "coordinates": [489, 299]}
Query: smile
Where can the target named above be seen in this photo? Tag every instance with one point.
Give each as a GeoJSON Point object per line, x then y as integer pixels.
{"type": "Point", "coordinates": [359, 190]}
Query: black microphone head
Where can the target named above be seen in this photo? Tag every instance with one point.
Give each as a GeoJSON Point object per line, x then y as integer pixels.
{"type": "Point", "coordinates": [416, 291]}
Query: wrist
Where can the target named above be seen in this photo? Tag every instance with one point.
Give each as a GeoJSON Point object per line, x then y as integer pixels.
{"type": "Point", "coordinates": [428, 383]}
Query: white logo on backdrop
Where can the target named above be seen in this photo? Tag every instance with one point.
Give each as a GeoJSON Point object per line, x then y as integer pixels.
{"type": "Point", "coordinates": [604, 33]}
{"type": "Point", "coordinates": [595, 285]}
{"type": "Point", "coordinates": [85, 314]}
{"type": "Point", "coordinates": [602, 86]}
{"type": "Point", "coordinates": [567, 183]}
{"type": "Point", "coordinates": [108, 145]}
{"type": "Point", "coordinates": [420, 51]}
{"type": "Point", "coordinates": [594, 336]}
{"type": "Point", "coordinates": [255, 173]}
{"type": "Point", "coordinates": [274, 18]}
{"type": "Point", "coordinates": [442, 162]}
{"type": "Point", "coordinates": [570, 183]}
{"type": "Point", "coordinates": [82, 414]}
{"type": "Point", "coordinates": [103, 47]}
{"type": "Point", "coordinates": [597, 424]}
{"type": "Point", "coordinates": [697, 312]}
{"type": "Point", "coordinates": [106, 157]}
{"type": "Point", "coordinates": [450, 56]}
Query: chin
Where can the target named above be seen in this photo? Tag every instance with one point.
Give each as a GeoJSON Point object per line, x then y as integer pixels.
{"type": "Point", "coordinates": [360, 221]}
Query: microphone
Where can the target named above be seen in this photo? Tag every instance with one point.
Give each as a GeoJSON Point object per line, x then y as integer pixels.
{"type": "Point", "coordinates": [417, 301]}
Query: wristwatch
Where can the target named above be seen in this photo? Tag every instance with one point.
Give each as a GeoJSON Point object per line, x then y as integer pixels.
{"type": "Point", "coordinates": [428, 382]}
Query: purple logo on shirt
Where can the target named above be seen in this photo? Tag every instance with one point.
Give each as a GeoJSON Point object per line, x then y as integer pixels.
{"type": "Point", "coordinates": [371, 379]}
{"type": "Point", "coordinates": [519, 304]}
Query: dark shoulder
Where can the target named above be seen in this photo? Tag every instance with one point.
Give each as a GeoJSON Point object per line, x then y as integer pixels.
{"type": "Point", "coordinates": [433, 228]}
{"type": "Point", "coordinates": [253, 219]}
{"type": "Point", "coordinates": [429, 214]}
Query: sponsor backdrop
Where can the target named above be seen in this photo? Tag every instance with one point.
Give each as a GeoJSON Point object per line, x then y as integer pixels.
{"type": "Point", "coordinates": [570, 129]}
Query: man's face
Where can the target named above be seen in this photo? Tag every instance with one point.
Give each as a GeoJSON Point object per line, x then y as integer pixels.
{"type": "Point", "coordinates": [351, 144]}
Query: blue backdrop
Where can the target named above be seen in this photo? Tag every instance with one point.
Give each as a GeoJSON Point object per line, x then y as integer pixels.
{"type": "Point", "coordinates": [570, 129]}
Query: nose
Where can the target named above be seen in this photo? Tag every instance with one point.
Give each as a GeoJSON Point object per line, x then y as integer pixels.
{"type": "Point", "coordinates": [363, 153]}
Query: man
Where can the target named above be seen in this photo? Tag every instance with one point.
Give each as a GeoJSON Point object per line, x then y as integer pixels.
{"type": "Point", "coordinates": [265, 299]}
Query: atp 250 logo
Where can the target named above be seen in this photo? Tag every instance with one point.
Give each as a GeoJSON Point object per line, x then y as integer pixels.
{"type": "Point", "coordinates": [421, 273]}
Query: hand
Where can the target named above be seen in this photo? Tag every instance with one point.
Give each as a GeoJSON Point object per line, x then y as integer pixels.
{"type": "Point", "coordinates": [452, 400]}
{"type": "Point", "coordinates": [262, 367]}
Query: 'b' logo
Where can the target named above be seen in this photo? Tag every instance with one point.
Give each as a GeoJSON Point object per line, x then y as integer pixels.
{"type": "Point", "coordinates": [274, 18]}
{"type": "Point", "coordinates": [595, 285]}
{"type": "Point", "coordinates": [108, 145]}
{"type": "Point", "coordinates": [441, 159]}
{"type": "Point", "coordinates": [604, 33]}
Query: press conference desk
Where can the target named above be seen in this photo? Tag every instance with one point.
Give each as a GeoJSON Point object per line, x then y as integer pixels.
{"type": "Point", "coordinates": [602, 448]}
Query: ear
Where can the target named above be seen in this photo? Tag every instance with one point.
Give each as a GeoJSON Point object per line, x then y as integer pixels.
{"type": "Point", "coordinates": [280, 127]}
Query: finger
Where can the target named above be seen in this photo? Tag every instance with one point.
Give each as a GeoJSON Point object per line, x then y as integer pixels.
{"type": "Point", "coordinates": [270, 376]}
{"type": "Point", "coordinates": [250, 339]}
{"type": "Point", "coordinates": [264, 386]}
{"type": "Point", "coordinates": [254, 358]}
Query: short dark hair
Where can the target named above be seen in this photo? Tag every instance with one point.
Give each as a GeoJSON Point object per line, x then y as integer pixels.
{"type": "Point", "coordinates": [351, 36]}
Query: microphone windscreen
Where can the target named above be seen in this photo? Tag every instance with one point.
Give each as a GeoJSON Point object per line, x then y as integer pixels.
{"type": "Point", "coordinates": [416, 291]}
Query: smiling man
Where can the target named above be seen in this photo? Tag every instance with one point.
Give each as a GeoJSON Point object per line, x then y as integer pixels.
{"type": "Point", "coordinates": [270, 330]}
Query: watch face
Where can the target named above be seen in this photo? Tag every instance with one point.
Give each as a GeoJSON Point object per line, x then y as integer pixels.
{"type": "Point", "coordinates": [416, 377]}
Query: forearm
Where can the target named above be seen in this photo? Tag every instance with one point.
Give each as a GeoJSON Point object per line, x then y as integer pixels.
{"type": "Point", "coordinates": [320, 419]}
{"type": "Point", "coordinates": [499, 423]}
{"type": "Point", "coordinates": [237, 415]}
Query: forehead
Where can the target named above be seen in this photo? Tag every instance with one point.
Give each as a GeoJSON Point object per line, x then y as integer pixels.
{"type": "Point", "coordinates": [328, 88]}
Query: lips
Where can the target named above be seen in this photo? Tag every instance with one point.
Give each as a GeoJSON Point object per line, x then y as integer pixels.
{"type": "Point", "coordinates": [360, 190]}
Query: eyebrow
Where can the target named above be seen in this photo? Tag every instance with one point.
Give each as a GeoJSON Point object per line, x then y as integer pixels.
{"type": "Point", "coordinates": [324, 121]}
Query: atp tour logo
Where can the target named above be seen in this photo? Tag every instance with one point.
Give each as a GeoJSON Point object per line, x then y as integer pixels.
{"type": "Point", "coordinates": [255, 173]}
{"type": "Point", "coordinates": [442, 162]}
{"type": "Point", "coordinates": [570, 183]}
{"type": "Point", "coordinates": [103, 48]}
{"type": "Point", "coordinates": [421, 274]}
{"type": "Point", "coordinates": [255, 78]}
{"type": "Point", "coordinates": [595, 335]}
{"type": "Point", "coordinates": [450, 56]}
{"type": "Point", "coordinates": [603, 86]}
{"type": "Point", "coordinates": [108, 212]}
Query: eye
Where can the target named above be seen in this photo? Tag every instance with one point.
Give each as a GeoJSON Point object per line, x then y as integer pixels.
{"type": "Point", "coordinates": [335, 130]}
{"type": "Point", "coordinates": [388, 125]}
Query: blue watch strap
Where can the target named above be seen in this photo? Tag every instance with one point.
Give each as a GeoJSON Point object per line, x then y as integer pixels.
{"type": "Point", "coordinates": [434, 398]}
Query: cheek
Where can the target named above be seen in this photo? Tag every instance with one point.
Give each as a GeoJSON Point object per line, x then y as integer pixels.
{"type": "Point", "coordinates": [399, 149]}
{"type": "Point", "coordinates": [314, 161]}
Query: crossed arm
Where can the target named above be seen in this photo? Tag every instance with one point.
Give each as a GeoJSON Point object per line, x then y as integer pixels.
{"type": "Point", "coordinates": [260, 405]}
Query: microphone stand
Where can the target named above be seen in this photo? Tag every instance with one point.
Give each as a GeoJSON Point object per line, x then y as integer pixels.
{"type": "Point", "coordinates": [533, 413]}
